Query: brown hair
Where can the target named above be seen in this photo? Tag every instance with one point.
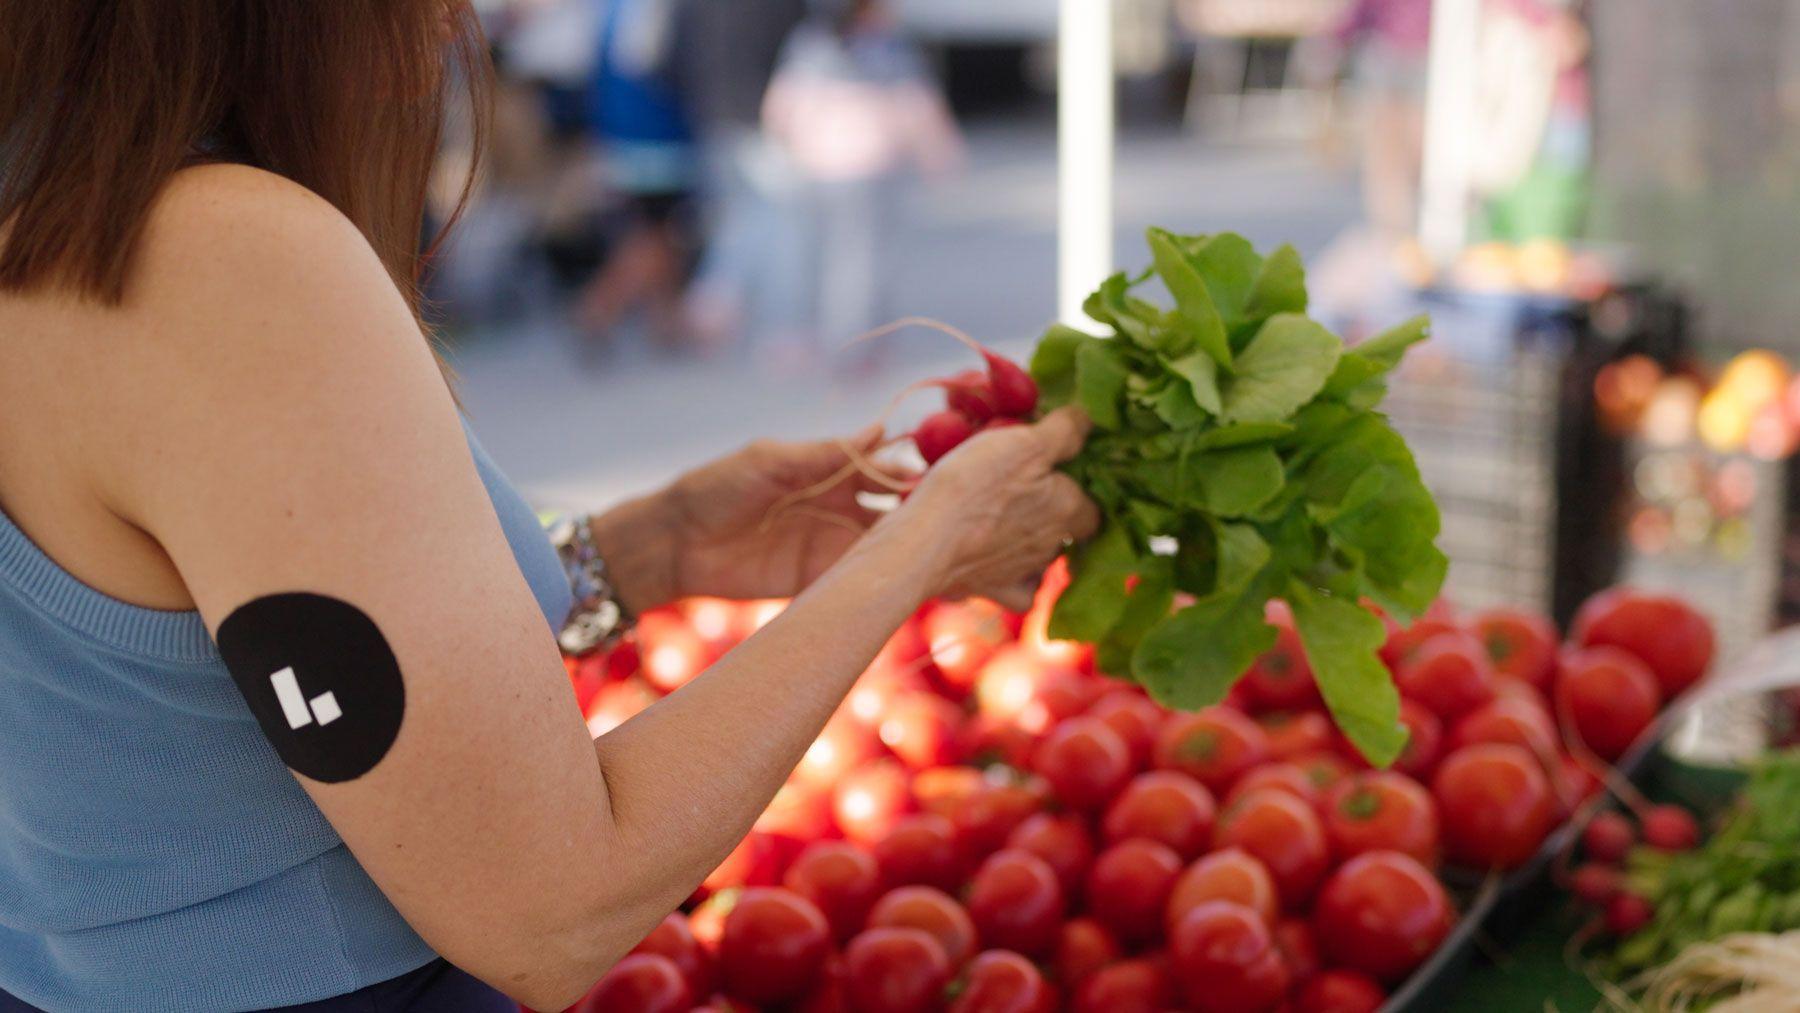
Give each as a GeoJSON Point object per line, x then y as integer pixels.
{"type": "Point", "coordinates": [102, 101]}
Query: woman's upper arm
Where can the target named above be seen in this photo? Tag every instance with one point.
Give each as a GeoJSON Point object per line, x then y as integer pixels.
{"type": "Point", "coordinates": [284, 428]}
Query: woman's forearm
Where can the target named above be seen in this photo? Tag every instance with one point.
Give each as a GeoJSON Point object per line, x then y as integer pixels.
{"type": "Point", "coordinates": [689, 776]}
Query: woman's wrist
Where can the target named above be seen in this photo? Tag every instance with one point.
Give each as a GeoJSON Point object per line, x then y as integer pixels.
{"type": "Point", "coordinates": [637, 539]}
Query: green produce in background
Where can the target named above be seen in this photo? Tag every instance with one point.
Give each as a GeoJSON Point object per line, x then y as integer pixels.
{"type": "Point", "coordinates": [1237, 457]}
{"type": "Point", "coordinates": [1745, 879]}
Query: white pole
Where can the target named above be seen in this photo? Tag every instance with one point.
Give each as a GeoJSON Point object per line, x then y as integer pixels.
{"type": "Point", "coordinates": [1449, 126]}
{"type": "Point", "coordinates": [1084, 107]}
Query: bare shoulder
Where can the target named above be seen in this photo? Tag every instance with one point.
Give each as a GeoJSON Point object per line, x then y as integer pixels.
{"type": "Point", "coordinates": [231, 237]}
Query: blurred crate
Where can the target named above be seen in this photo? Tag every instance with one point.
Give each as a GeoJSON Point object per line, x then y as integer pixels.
{"type": "Point", "coordinates": [1711, 528]}
{"type": "Point", "coordinates": [1484, 430]}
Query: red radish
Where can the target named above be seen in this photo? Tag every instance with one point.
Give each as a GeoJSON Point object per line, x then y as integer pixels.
{"type": "Point", "coordinates": [1627, 913]}
{"type": "Point", "coordinates": [940, 433]}
{"type": "Point", "coordinates": [1670, 828]}
{"type": "Point", "coordinates": [1596, 884]}
{"type": "Point", "coordinates": [1608, 838]}
{"type": "Point", "coordinates": [969, 395]}
{"type": "Point", "coordinates": [1015, 392]}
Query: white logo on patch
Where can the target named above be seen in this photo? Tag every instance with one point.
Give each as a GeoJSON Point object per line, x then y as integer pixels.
{"type": "Point", "coordinates": [298, 710]}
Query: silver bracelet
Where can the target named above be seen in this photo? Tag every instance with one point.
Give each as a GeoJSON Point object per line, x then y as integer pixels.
{"type": "Point", "coordinates": [598, 618]}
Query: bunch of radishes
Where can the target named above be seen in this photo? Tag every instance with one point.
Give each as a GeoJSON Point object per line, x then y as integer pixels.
{"type": "Point", "coordinates": [974, 401]}
{"type": "Point", "coordinates": [1606, 841]}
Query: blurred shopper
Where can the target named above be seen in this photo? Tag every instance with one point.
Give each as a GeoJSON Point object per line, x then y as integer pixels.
{"type": "Point", "coordinates": [648, 158]}
{"type": "Point", "coordinates": [725, 54]}
{"type": "Point", "coordinates": [1535, 105]}
{"type": "Point", "coordinates": [853, 106]}
{"type": "Point", "coordinates": [282, 715]}
{"type": "Point", "coordinates": [1387, 42]}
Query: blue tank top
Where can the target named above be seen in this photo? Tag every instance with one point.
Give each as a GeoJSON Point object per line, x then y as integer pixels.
{"type": "Point", "coordinates": [154, 852]}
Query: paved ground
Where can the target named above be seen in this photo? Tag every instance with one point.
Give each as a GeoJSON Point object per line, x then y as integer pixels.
{"type": "Point", "coordinates": [978, 251]}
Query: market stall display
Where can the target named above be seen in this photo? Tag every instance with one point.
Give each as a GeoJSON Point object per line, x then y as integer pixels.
{"type": "Point", "coordinates": [991, 823]}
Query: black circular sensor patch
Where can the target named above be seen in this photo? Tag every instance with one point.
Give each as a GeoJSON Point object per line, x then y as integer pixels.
{"type": "Point", "coordinates": [320, 679]}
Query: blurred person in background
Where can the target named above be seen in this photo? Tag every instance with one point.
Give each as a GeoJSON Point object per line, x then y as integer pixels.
{"type": "Point", "coordinates": [725, 53]}
{"type": "Point", "coordinates": [854, 108]}
{"type": "Point", "coordinates": [1386, 43]}
{"type": "Point", "coordinates": [648, 159]}
{"type": "Point", "coordinates": [226, 447]}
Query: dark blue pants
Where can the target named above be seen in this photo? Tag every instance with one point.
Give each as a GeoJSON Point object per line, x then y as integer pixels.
{"type": "Point", "coordinates": [435, 988]}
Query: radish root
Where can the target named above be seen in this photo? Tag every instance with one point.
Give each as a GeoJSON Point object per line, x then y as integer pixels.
{"type": "Point", "coordinates": [928, 322]}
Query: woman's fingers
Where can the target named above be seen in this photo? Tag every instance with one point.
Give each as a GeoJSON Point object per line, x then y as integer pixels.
{"type": "Point", "coordinates": [1062, 432]}
{"type": "Point", "coordinates": [1069, 503]}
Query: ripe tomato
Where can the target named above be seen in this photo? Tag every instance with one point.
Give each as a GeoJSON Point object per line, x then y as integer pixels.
{"type": "Point", "coordinates": [1285, 835]}
{"type": "Point", "coordinates": [941, 789]}
{"type": "Point", "coordinates": [984, 741]}
{"type": "Point", "coordinates": [1450, 674]}
{"type": "Point", "coordinates": [870, 800]}
{"type": "Point", "coordinates": [1129, 986]}
{"type": "Point", "coordinates": [1381, 913]}
{"type": "Point", "coordinates": [707, 921]}
{"type": "Point", "coordinates": [1520, 644]}
{"type": "Point", "coordinates": [987, 818]}
{"type": "Point", "coordinates": [1010, 689]}
{"type": "Point", "coordinates": [1083, 947]}
{"type": "Point", "coordinates": [775, 943]}
{"type": "Point", "coordinates": [641, 983]}
{"type": "Point", "coordinates": [923, 730]}
{"type": "Point", "coordinates": [1214, 745]}
{"type": "Point", "coordinates": [673, 940]}
{"type": "Point", "coordinates": [1402, 641]}
{"type": "Point", "coordinates": [920, 850]}
{"type": "Point", "coordinates": [754, 862]}
{"type": "Point", "coordinates": [841, 879]}
{"type": "Point", "coordinates": [1497, 805]}
{"type": "Point", "coordinates": [1666, 633]}
{"type": "Point", "coordinates": [799, 812]}
{"type": "Point", "coordinates": [1382, 811]}
{"type": "Point", "coordinates": [829, 993]}
{"type": "Point", "coordinates": [1609, 696]}
{"type": "Point", "coordinates": [1226, 960]}
{"type": "Point", "coordinates": [1299, 950]}
{"type": "Point", "coordinates": [1228, 874]}
{"type": "Point", "coordinates": [1166, 806]}
{"type": "Point", "coordinates": [1340, 991]}
{"type": "Point", "coordinates": [1282, 679]}
{"type": "Point", "coordinates": [1016, 903]}
{"type": "Point", "coordinates": [844, 745]}
{"type": "Point", "coordinates": [1001, 981]}
{"type": "Point", "coordinates": [1085, 762]}
{"type": "Point", "coordinates": [1288, 777]}
{"type": "Point", "coordinates": [671, 653]}
{"type": "Point", "coordinates": [1326, 768]}
{"type": "Point", "coordinates": [616, 703]}
{"type": "Point", "coordinates": [1514, 720]}
{"type": "Point", "coordinates": [1128, 888]}
{"type": "Point", "coordinates": [1135, 717]}
{"type": "Point", "coordinates": [895, 970]}
{"type": "Point", "coordinates": [1063, 842]}
{"type": "Point", "coordinates": [932, 911]}
{"type": "Point", "coordinates": [1295, 734]}
{"type": "Point", "coordinates": [878, 688]}
{"type": "Point", "coordinates": [1424, 740]}
{"type": "Point", "coordinates": [962, 637]}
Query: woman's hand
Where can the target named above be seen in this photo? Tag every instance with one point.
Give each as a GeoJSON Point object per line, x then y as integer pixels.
{"type": "Point", "coordinates": [763, 522]}
{"type": "Point", "coordinates": [999, 511]}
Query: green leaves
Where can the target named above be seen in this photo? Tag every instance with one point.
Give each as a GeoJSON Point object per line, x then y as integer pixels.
{"type": "Point", "coordinates": [1282, 368]}
{"type": "Point", "coordinates": [1236, 457]}
{"type": "Point", "coordinates": [1340, 638]}
{"type": "Point", "coordinates": [1198, 314]}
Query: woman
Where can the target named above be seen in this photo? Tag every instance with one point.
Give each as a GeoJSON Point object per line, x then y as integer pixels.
{"type": "Point", "coordinates": [244, 527]}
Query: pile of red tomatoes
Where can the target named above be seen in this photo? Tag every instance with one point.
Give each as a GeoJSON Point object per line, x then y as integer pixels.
{"type": "Point", "coordinates": [990, 826]}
